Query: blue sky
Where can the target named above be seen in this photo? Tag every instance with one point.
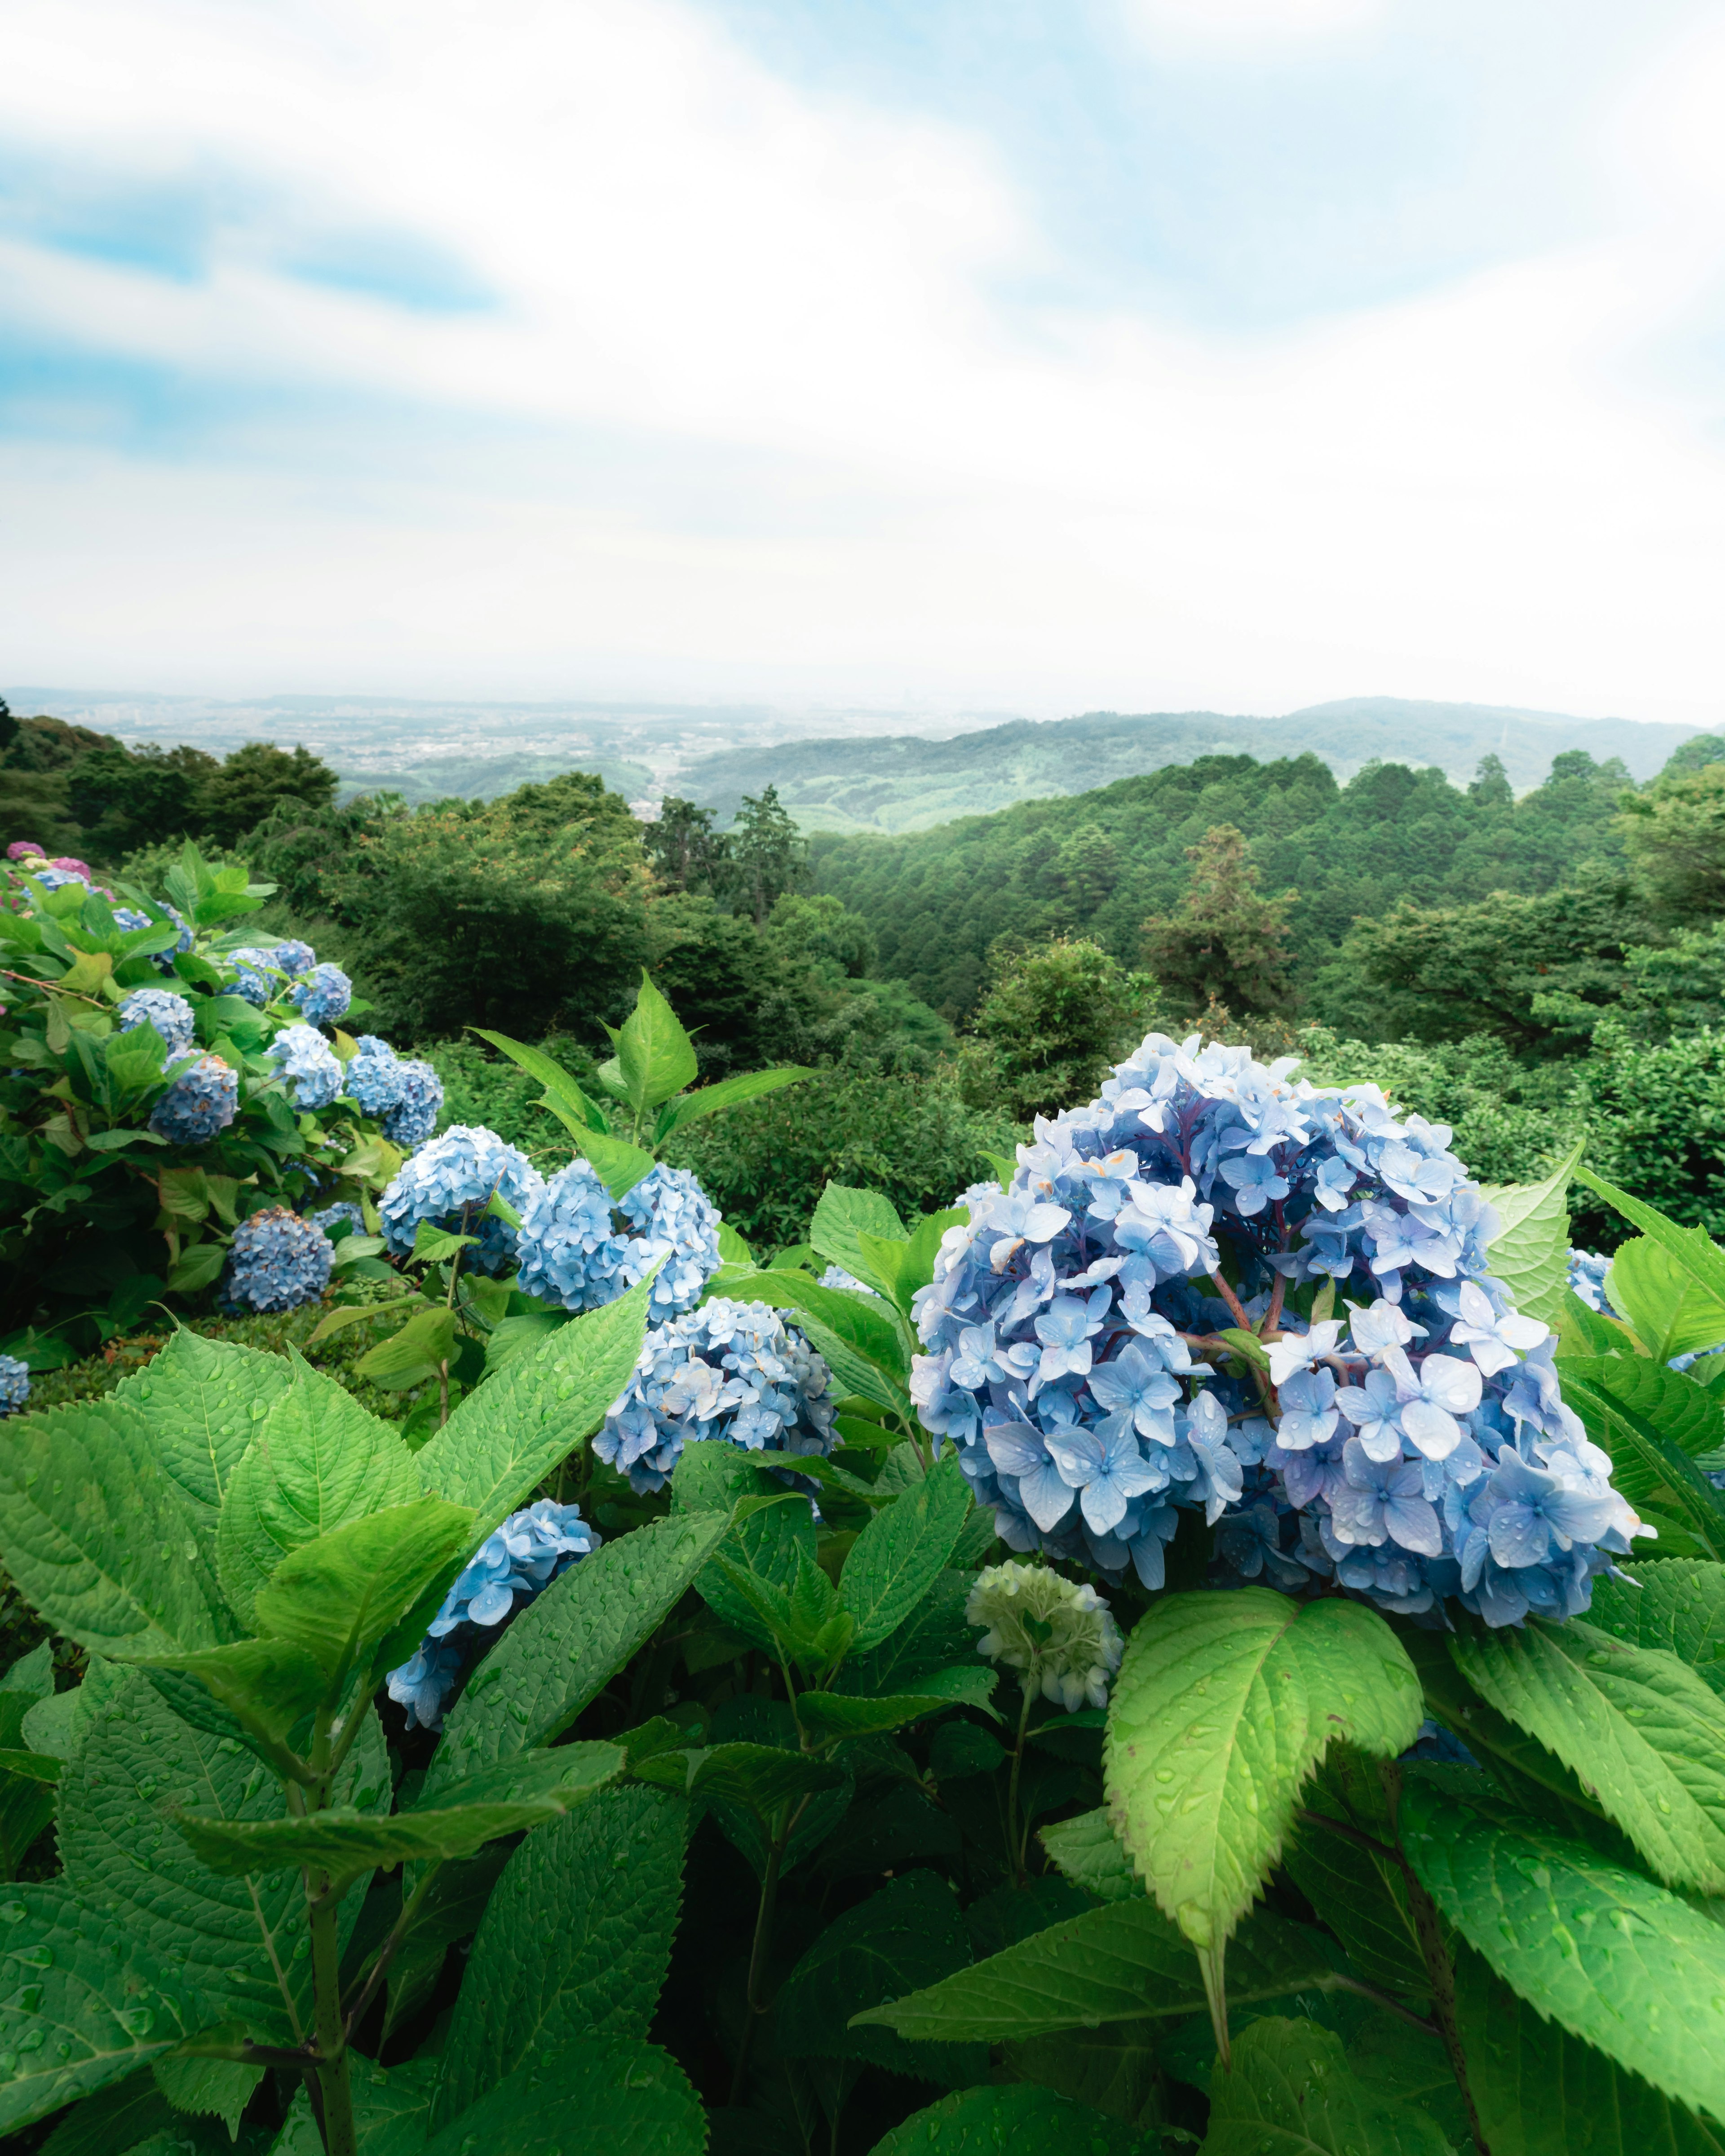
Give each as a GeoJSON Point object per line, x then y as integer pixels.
{"type": "Point", "coordinates": [1145, 353]}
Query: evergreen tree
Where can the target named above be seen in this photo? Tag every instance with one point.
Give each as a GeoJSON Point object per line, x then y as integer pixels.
{"type": "Point", "coordinates": [1227, 942]}
{"type": "Point", "coordinates": [769, 855]}
{"type": "Point", "coordinates": [686, 852]}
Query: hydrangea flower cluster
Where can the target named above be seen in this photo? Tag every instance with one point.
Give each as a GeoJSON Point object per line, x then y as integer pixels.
{"type": "Point", "coordinates": [276, 1261]}
{"type": "Point", "coordinates": [405, 1093]}
{"type": "Point", "coordinates": [514, 1562]}
{"type": "Point", "coordinates": [1587, 1277]}
{"type": "Point", "coordinates": [171, 1015]}
{"type": "Point", "coordinates": [323, 994]}
{"type": "Point", "coordinates": [733, 1370]}
{"type": "Point", "coordinates": [252, 967]}
{"type": "Point", "coordinates": [674, 1220]}
{"type": "Point", "coordinates": [165, 959]}
{"type": "Point", "coordinates": [302, 1056]}
{"type": "Point", "coordinates": [1414, 1449]}
{"type": "Point", "coordinates": [836, 1276]}
{"type": "Point", "coordinates": [293, 957]}
{"type": "Point", "coordinates": [344, 1215]}
{"type": "Point", "coordinates": [129, 917]}
{"type": "Point", "coordinates": [454, 1174]}
{"type": "Point", "coordinates": [1076, 1647]}
{"type": "Point", "coordinates": [15, 1385]}
{"type": "Point", "coordinates": [570, 1253]}
{"type": "Point", "coordinates": [201, 1101]}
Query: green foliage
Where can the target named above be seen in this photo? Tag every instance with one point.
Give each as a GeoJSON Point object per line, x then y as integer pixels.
{"type": "Point", "coordinates": [1054, 1017]}
{"type": "Point", "coordinates": [1225, 943]}
{"type": "Point", "coordinates": [1291, 2094]}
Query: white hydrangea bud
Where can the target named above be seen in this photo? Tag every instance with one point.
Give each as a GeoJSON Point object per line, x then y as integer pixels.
{"type": "Point", "coordinates": [1057, 1634]}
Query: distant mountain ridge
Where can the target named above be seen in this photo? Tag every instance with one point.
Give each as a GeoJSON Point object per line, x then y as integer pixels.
{"type": "Point", "coordinates": [908, 783]}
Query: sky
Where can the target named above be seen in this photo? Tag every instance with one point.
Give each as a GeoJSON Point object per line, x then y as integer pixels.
{"type": "Point", "coordinates": [1038, 355]}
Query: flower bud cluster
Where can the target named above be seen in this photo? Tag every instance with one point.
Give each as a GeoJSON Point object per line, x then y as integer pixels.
{"type": "Point", "coordinates": [276, 1261]}
{"type": "Point", "coordinates": [1057, 1635]}
{"type": "Point", "coordinates": [1413, 1449]}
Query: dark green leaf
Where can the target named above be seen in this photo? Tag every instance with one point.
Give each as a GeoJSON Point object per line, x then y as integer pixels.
{"type": "Point", "coordinates": [829, 1715]}
{"type": "Point", "coordinates": [761, 1776]}
{"type": "Point", "coordinates": [978, 2122]}
{"type": "Point", "coordinates": [610, 2095]}
{"type": "Point", "coordinates": [768, 1541]}
{"type": "Point", "coordinates": [898, 1557]}
{"type": "Point", "coordinates": [1291, 2094]}
{"type": "Point", "coordinates": [1089, 1853]}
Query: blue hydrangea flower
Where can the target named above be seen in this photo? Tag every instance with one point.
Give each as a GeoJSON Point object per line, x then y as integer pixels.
{"type": "Point", "coordinates": [413, 1117]}
{"type": "Point", "coordinates": [276, 1261]}
{"type": "Point", "coordinates": [253, 970]}
{"type": "Point", "coordinates": [303, 1056]}
{"type": "Point", "coordinates": [202, 1101]}
{"type": "Point", "coordinates": [675, 1220]}
{"type": "Point", "coordinates": [170, 1014]}
{"type": "Point", "coordinates": [516, 1563]}
{"type": "Point", "coordinates": [15, 1385]}
{"type": "Point", "coordinates": [1412, 1448]}
{"type": "Point", "coordinates": [836, 1276]}
{"type": "Point", "coordinates": [294, 957]}
{"type": "Point", "coordinates": [570, 1254]}
{"type": "Point", "coordinates": [1587, 1277]}
{"type": "Point", "coordinates": [346, 1214]}
{"type": "Point", "coordinates": [129, 917]}
{"type": "Point", "coordinates": [57, 879]}
{"type": "Point", "coordinates": [454, 1173]}
{"type": "Point", "coordinates": [374, 1077]}
{"type": "Point", "coordinates": [164, 960]}
{"type": "Point", "coordinates": [734, 1370]}
{"type": "Point", "coordinates": [323, 994]}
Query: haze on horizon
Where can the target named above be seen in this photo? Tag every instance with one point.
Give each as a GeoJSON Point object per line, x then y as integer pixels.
{"type": "Point", "coordinates": [1141, 355]}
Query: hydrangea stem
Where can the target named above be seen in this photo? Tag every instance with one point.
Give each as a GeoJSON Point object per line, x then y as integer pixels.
{"type": "Point", "coordinates": [1017, 1840]}
{"type": "Point", "coordinates": [340, 2138]}
{"type": "Point", "coordinates": [753, 2007]}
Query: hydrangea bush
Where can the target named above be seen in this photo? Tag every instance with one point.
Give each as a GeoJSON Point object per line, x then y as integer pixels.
{"type": "Point", "coordinates": [1219, 1289]}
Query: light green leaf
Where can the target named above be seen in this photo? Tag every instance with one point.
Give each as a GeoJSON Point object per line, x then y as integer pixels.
{"type": "Point", "coordinates": [897, 1557]}
{"type": "Point", "coordinates": [1291, 2094]}
{"type": "Point", "coordinates": [916, 1269]}
{"type": "Point", "coordinates": [883, 1258]}
{"type": "Point", "coordinates": [1697, 1255]}
{"type": "Point", "coordinates": [203, 1400]}
{"type": "Point", "coordinates": [560, 1087]}
{"type": "Point", "coordinates": [974, 2121]}
{"type": "Point", "coordinates": [508, 1434]}
{"type": "Point", "coordinates": [317, 1461]}
{"type": "Point", "coordinates": [83, 2003]}
{"type": "Point", "coordinates": [97, 1537]}
{"type": "Point", "coordinates": [728, 1093]}
{"type": "Point", "coordinates": [228, 1938]}
{"type": "Point", "coordinates": [1654, 1422]}
{"type": "Point", "coordinates": [341, 1596]}
{"type": "Point", "coordinates": [560, 1652]}
{"type": "Point", "coordinates": [1641, 1728]}
{"type": "Point", "coordinates": [654, 1055]}
{"type": "Point", "coordinates": [732, 1249]}
{"type": "Point", "coordinates": [1116, 1963]}
{"type": "Point", "coordinates": [841, 1216]}
{"type": "Point", "coordinates": [1224, 1704]}
{"type": "Point", "coordinates": [1530, 1252]}
{"type": "Point", "coordinates": [1087, 1851]}
{"type": "Point", "coordinates": [619, 1165]}
{"type": "Point", "coordinates": [1678, 1603]}
{"type": "Point", "coordinates": [576, 1939]}
{"type": "Point", "coordinates": [609, 2096]}
{"type": "Point", "coordinates": [1602, 1952]}
{"type": "Point", "coordinates": [1539, 2092]}
{"type": "Point", "coordinates": [861, 1339]}
{"type": "Point", "coordinates": [1672, 1314]}
{"type": "Point", "coordinates": [415, 1352]}
{"type": "Point", "coordinates": [904, 1938]}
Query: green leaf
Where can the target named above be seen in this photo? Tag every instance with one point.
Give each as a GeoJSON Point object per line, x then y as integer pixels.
{"type": "Point", "coordinates": [558, 1084]}
{"type": "Point", "coordinates": [1364, 1895]}
{"type": "Point", "coordinates": [318, 1461]}
{"type": "Point", "coordinates": [1604, 1954]}
{"type": "Point", "coordinates": [1291, 2094]}
{"type": "Point", "coordinates": [268, 1684]}
{"type": "Point", "coordinates": [84, 2003]}
{"type": "Point", "coordinates": [904, 1938]}
{"type": "Point", "coordinates": [1698, 1257]}
{"type": "Point", "coordinates": [29, 1766]}
{"type": "Point", "coordinates": [576, 1940]}
{"type": "Point", "coordinates": [207, 2087]}
{"type": "Point", "coordinates": [609, 2096]}
{"type": "Point", "coordinates": [1653, 1422]}
{"type": "Point", "coordinates": [916, 1269]}
{"type": "Point", "coordinates": [416, 1351]}
{"type": "Point", "coordinates": [341, 1596]}
{"type": "Point", "coordinates": [897, 1557]}
{"type": "Point", "coordinates": [1116, 1963]}
{"type": "Point", "coordinates": [732, 1249]}
{"type": "Point", "coordinates": [561, 1651]}
{"type": "Point", "coordinates": [761, 1776]}
{"type": "Point", "coordinates": [976, 2121]}
{"type": "Point", "coordinates": [654, 1055]}
{"type": "Point", "coordinates": [1539, 2092]}
{"type": "Point", "coordinates": [883, 1258]}
{"type": "Point", "coordinates": [1676, 1603]}
{"type": "Point", "coordinates": [1671, 1313]}
{"type": "Point", "coordinates": [841, 1217]}
{"type": "Point", "coordinates": [508, 1434]}
{"type": "Point", "coordinates": [619, 1165]}
{"type": "Point", "coordinates": [196, 1269]}
{"type": "Point", "coordinates": [390, 2108]}
{"type": "Point", "coordinates": [97, 1537]}
{"type": "Point", "coordinates": [345, 1841]}
{"type": "Point", "coordinates": [828, 1716]}
{"type": "Point", "coordinates": [1224, 1704]}
{"type": "Point", "coordinates": [769, 1539]}
{"type": "Point", "coordinates": [1642, 1729]}
{"type": "Point", "coordinates": [1087, 1851]}
{"type": "Point", "coordinates": [137, 1762]}
{"type": "Point", "coordinates": [432, 1245]}
{"type": "Point", "coordinates": [203, 1400]}
{"type": "Point", "coordinates": [861, 1339]}
{"type": "Point", "coordinates": [125, 2115]}
{"type": "Point", "coordinates": [1530, 1252]}
{"type": "Point", "coordinates": [934, 1637]}
{"type": "Point", "coordinates": [728, 1093]}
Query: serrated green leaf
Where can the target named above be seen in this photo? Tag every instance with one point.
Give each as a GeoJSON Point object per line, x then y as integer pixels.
{"type": "Point", "coordinates": [83, 2003]}
{"type": "Point", "coordinates": [390, 2109]}
{"type": "Point", "coordinates": [1603, 1953]}
{"type": "Point", "coordinates": [414, 1353]}
{"type": "Point", "coordinates": [1291, 2094]}
{"type": "Point", "coordinates": [937, 1635]}
{"type": "Point", "coordinates": [123, 2115]}
{"type": "Point", "coordinates": [1530, 1252]}
{"type": "Point", "coordinates": [611, 2096]}
{"type": "Point", "coordinates": [1540, 2093]}
{"type": "Point", "coordinates": [768, 1541]}
{"type": "Point", "coordinates": [97, 1537]}
{"type": "Point", "coordinates": [904, 1938]}
{"type": "Point", "coordinates": [828, 1716]}
{"type": "Point", "coordinates": [729, 1093]}
{"type": "Point", "coordinates": [1697, 1255]}
{"type": "Point", "coordinates": [203, 1400]}
{"type": "Point", "coordinates": [1654, 1422]}
{"type": "Point", "coordinates": [1116, 1963]}
{"type": "Point", "coordinates": [559, 1086]}
{"type": "Point", "coordinates": [1678, 1603]}
{"type": "Point", "coordinates": [916, 1269]}
{"type": "Point", "coordinates": [898, 1557]}
{"type": "Point", "coordinates": [1583, 1331]}
{"type": "Point", "coordinates": [761, 1776]}
{"type": "Point", "coordinates": [207, 2088]}
{"type": "Point", "coordinates": [560, 1652]}
{"type": "Point", "coordinates": [1642, 1729]}
{"type": "Point", "coordinates": [619, 1165]}
{"type": "Point", "coordinates": [976, 2121]}
{"type": "Point", "coordinates": [1087, 1851]}
{"type": "Point", "coordinates": [318, 1461]}
{"type": "Point", "coordinates": [1362, 1895]}
{"type": "Point", "coordinates": [842, 1215]}
{"type": "Point", "coordinates": [1224, 1704]}
{"type": "Point", "coordinates": [268, 1684]}
{"type": "Point", "coordinates": [655, 1053]}
{"type": "Point", "coordinates": [861, 1339]}
{"type": "Point", "coordinates": [576, 1939]}
{"type": "Point", "coordinates": [507, 1435]}
{"type": "Point", "coordinates": [1671, 1313]}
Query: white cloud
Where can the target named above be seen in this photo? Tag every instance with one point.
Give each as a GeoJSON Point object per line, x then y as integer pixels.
{"type": "Point", "coordinates": [758, 416]}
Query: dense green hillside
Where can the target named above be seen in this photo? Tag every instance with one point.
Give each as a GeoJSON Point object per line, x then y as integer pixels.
{"type": "Point", "coordinates": [904, 783]}
{"type": "Point", "coordinates": [1101, 862]}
